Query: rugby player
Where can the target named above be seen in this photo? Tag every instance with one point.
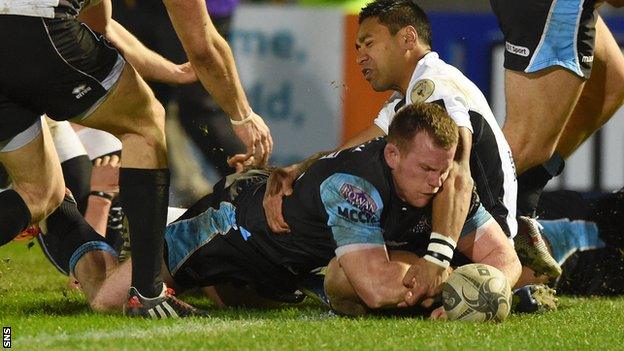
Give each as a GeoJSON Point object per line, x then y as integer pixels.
{"type": "Point", "coordinates": [564, 78]}
{"type": "Point", "coordinates": [75, 74]}
{"type": "Point", "coordinates": [368, 206]}
{"type": "Point", "coordinates": [394, 52]}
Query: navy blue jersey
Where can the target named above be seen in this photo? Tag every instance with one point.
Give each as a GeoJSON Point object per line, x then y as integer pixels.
{"type": "Point", "coordinates": [344, 200]}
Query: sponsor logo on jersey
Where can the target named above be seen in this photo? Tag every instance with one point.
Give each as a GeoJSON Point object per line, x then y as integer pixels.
{"type": "Point", "coordinates": [81, 91]}
{"type": "Point", "coordinates": [357, 216]}
{"type": "Point", "coordinates": [358, 198]}
{"type": "Point", "coordinates": [587, 59]}
{"type": "Point", "coordinates": [517, 49]}
{"type": "Point", "coordinates": [422, 90]}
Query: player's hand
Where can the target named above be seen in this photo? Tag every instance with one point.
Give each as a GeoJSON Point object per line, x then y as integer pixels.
{"type": "Point", "coordinates": [257, 139]}
{"type": "Point", "coordinates": [438, 313]}
{"type": "Point", "coordinates": [279, 185]}
{"type": "Point", "coordinates": [424, 279]}
{"type": "Point", "coordinates": [183, 74]}
{"type": "Point", "coordinates": [105, 174]}
{"type": "Point", "coordinates": [241, 162]}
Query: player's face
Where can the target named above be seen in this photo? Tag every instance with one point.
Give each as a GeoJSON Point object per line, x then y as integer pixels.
{"type": "Point", "coordinates": [419, 173]}
{"type": "Point", "coordinates": [379, 55]}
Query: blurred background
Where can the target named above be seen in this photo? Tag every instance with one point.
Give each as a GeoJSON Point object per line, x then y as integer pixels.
{"type": "Point", "coordinates": [296, 60]}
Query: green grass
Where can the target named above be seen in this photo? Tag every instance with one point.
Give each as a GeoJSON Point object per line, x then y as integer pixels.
{"type": "Point", "coordinates": [45, 315]}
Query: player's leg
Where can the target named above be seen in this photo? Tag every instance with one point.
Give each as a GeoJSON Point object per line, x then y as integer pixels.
{"type": "Point", "coordinates": [131, 113]}
{"type": "Point", "coordinates": [602, 95]}
{"type": "Point", "coordinates": [104, 281]}
{"type": "Point", "coordinates": [538, 106]}
{"type": "Point", "coordinates": [32, 196]}
{"type": "Point", "coordinates": [548, 46]}
{"type": "Point", "coordinates": [74, 160]}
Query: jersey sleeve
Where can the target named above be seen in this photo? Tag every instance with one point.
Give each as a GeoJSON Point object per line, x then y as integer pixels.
{"type": "Point", "coordinates": [387, 112]}
{"type": "Point", "coordinates": [454, 103]}
{"type": "Point", "coordinates": [353, 206]}
{"type": "Point", "coordinates": [477, 215]}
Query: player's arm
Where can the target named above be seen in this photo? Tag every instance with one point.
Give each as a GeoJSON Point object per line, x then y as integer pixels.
{"type": "Point", "coordinates": [488, 244]}
{"type": "Point", "coordinates": [354, 207]}
{"type": "Point", "coordinates": [364, 278]}
{"type": "Point", "coordinates": [149, 64]}
{"type": "Point", "coordinates": [370, 133]}
{"type": "Point", "coordinates": [213, 63]}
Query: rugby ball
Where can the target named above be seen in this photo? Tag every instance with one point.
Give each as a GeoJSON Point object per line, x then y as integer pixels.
{"type": "Point", "coordinates": [477, 292]}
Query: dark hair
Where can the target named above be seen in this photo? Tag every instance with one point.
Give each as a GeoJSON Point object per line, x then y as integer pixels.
{"type": "Point", "coordinates": [427, 117]}
{"type": "Point", "coordinates": [396, 14]}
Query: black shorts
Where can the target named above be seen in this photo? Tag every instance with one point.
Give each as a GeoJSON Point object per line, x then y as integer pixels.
{"type": "Point", "coordinates": [206, 247]}
{"type": "Point", "coordinates": [544, 33]}
{"type": "Point", "coordinates": [57, 67]}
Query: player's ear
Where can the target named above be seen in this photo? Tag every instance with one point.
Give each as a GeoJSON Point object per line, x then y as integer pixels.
{"type": "Point", "coordinates": [410, 37]}
{"type": "Point", "coordinates": [392, 155]}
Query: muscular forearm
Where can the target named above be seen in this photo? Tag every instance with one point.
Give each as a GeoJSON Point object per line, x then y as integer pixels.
{"type": "Point", "coordinates": [385, 289]}
{"type": "Point", "coordinates": [450, 206]}
{"type": "Point", "coordinates": [209, 54]}
{"type": "Point", "coordinates": [377, 284]}
{"type": "Point", "coordinates": [149, 64]}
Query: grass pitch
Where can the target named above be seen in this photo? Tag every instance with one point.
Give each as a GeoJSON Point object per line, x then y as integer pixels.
{"type": "Point", "coordinates": [44, 315]}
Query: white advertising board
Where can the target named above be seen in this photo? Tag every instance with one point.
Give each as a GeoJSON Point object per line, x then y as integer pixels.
{"type": "Point", "coordinates": [291, 64]}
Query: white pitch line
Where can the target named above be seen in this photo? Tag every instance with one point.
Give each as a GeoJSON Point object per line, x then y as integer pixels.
{"type": "Point", "coordinates": [202, 327]}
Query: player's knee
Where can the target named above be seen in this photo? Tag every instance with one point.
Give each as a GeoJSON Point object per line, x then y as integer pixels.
{"type": "Point", "coordinates": [42, 199]}
{"type": "Point", "coordinates": [533, 153]}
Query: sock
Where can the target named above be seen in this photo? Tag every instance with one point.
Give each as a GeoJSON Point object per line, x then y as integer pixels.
{"type": "Point", "coordinates": [66, 230]}
{"type": "Point", "coordinates": [145, 197]}
{"type": "Point", "coordinates": [77, 175]}
{"type": "Point", "coordinates": [532, 182]}
{"type": "Point", "coordinates": [14, 216]}
{"type": "Point", "coordinates": [566, 237]}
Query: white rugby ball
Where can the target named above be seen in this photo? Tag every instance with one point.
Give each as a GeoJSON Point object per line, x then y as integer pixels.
{"type": "Point", "coordinates": [477, 292]}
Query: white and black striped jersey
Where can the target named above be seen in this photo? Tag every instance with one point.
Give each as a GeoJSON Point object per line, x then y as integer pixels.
{"type": "Point", "coordinates": [491, 162]}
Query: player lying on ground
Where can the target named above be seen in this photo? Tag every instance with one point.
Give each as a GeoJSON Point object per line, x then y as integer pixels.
{"type": "Point", "coordinates": [394, 53]}
{"type": "Point", "coordinates": [365, 209]}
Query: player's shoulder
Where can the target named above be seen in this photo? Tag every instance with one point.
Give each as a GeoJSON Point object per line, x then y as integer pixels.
{"type": "Point", "coordinates": [363, 161]}
{"type": "Point", "coordinates": [434, 79]}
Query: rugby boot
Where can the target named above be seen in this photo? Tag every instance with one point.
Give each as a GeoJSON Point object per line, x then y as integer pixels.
{"type": "Point", "coordinates": [313, 287]}
{"type": "Point", "coordinates": [532, 250]}
{"type": "Point", "coordinates": [165, 305]}
{"type": "Point", "coordinates": [535, 298]}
